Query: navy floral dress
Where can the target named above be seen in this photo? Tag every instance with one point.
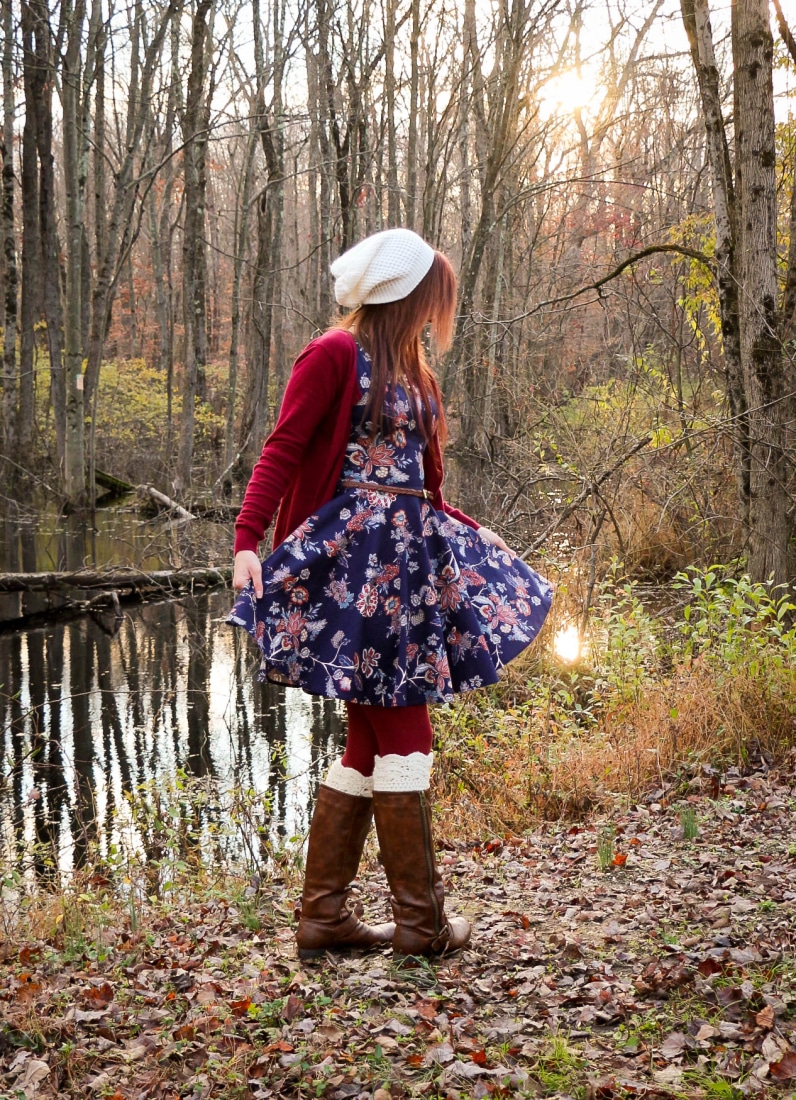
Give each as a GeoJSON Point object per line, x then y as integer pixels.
{"type": "Point", "coordinates": [378, 597]}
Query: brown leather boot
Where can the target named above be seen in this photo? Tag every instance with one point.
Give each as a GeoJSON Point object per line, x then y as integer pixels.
{"type": "Point", "coordinates": [403, 826]}
{"type": "Point", "coordinates": [339, 828]}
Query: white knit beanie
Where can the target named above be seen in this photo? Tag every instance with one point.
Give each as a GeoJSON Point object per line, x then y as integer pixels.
{"type": "Point", "coordinates": [383, 268]}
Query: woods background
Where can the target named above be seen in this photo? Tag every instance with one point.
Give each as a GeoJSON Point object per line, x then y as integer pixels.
{"type": "Point", "coordinates": [613, 182]}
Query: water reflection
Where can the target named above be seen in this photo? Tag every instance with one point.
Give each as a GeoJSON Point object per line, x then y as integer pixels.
{"type": "Point", "coordinates": [87, 719]}
{"type": "Point", "coordinates": [39, 537]}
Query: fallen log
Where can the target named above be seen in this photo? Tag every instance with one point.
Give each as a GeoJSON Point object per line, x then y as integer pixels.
{"type": "Point", "coordinates": [167, 580]}
{"type": "Point", "coordinates": [114, 485]}
{"type": "Point", "coordinates": [167, 502]}
{"type": "Point", "coordinates": [30, 599]}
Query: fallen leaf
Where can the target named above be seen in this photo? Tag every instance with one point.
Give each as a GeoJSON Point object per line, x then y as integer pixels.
{"type": "Point", "coordinates": [785, 1068]}
{"type": "Point", "coordinates": [730, 994]}
{"type": "Point", "coordinates": [427, 1009]}
{"type": "Point", "coordinates": [706, 1031]}
{"type": "Point", "coordinates": [293, 1006]}
{"type": "Point", "coordinates": [137, 1052]}
{"type": "Point", "coordinates": [765, 1017]}
{"type": "Point", "coordinates": [441, 1053]}
{"type": "Point", "coordinates": [773, 1049]}
{"type": "Point", "coordinates": [35, 1071]}
{"type": "Point", "coordinates": [674, 1045]}
{"type": "Point", "coordinates": [669, 1075]}
{"type": "Point", "coordinates": [98, 995]}
{"type": "Point", "coordinates": [329, 1032]}
{"type": "Point", "coordinates": [710, 966]}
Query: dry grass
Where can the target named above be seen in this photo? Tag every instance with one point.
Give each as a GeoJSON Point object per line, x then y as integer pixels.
{"type": "Point", "coordinates": [503, 771]}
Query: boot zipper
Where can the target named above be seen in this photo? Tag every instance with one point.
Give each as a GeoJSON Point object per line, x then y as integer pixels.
{"type": "Point", "coordinates": [430, 863]}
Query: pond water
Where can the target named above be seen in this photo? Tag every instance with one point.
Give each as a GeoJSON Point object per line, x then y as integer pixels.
{"type": "Point", "coordinates": [95, 725]}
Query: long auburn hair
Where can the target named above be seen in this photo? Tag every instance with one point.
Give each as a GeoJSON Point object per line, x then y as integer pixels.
{"type": "Point", "coordinates": [391, 335]}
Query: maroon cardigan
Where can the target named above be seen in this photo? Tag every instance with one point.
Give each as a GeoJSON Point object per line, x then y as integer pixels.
{"type": "Point", "coordinates": [303, 456]}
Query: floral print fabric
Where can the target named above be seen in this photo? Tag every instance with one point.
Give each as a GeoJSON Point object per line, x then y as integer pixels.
{"type": "Point", "coordinates": [377, 597]}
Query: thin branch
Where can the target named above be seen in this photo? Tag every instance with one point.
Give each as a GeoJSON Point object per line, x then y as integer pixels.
{"type": "Point", "coordinates": [588, 490]}
{"type": "Point", "coordinates": [652, 250]}
{"type": "Point", "coordinates": [785, 31]}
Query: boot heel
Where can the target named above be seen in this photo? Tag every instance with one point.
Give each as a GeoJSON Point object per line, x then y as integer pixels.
{"type": "Point", "coordinates": [403, 825]}
{"type": "Point", "coordinates": [311, 952]}
{"type": "Point", "coordinates": [338, 830]}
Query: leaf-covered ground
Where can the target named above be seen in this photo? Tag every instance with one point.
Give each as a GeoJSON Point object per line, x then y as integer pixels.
{"type": "Point", "coordinates": [617, 959]}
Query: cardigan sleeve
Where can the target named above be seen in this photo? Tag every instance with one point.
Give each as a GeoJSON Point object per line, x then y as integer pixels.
{"type": "Point", "coordinates": [462, 517]}
{"type": "Point", "coordinates": [312, 389]}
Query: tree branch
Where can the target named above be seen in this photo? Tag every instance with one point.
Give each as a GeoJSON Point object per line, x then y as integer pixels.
{"type": "Point", "coordinates": [654, 249]}
{"type": "Point", "coordinates": [591, 487]}
{"type": "Point", "coordinates": [785, 31]}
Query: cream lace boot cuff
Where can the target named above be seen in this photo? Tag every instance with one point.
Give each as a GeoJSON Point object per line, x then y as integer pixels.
{"type": "Point", "coordinates": [349, 781]}
{"type": "Point", "coordinates": [403, 773]}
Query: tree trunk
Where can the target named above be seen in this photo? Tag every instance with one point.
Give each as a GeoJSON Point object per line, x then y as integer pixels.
{"type": "Point", "coordinates": [30, 308]}
{"type": "Point", "coordinates": [761, 354]}
{"type": "Point", "coordinates": [277, 171]}
{"type": "Point", "coordinates": [74, 473]}
{"type": "Point", "coordinates": [193, 278]}
{"type": "Point", "coordinates": [10, 377]}
{"type": "Point", "coordinates": [393, 192]}
{"type": "Point", "coordinates": [40, 102]}
{"type": "Point", "coordinates": [269, 237]}
{"type": "Point", "coordinates": [166, 227]}
{"type": "Point", "coordinates": [241, 237]}
{"type": "Point", "coordinates": [414, 101]}
{"type": "Point", "coordinates": [116, 226]}
{"type": "Point", "coordinates": [696, 18]}
{"type": "Point", "coordinates": [161, 302]}
{"type": "Point", "coordinates": [314, 184]}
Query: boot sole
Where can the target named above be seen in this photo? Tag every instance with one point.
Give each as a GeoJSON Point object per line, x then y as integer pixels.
{"type": "Point", "coordinates": [432, 956]}
{"type": "Point", "coordinates": [338, 949]}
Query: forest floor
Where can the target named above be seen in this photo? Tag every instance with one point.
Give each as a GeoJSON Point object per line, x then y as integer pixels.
{"type": "Point", "coordinates": [621, 958]}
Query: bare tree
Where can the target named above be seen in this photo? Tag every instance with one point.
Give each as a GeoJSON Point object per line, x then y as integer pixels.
{"type": "Point", "coordinates": [195, 137]}
{"type": "Point", "coordinates": [10, 377]}
{"type": "Point", "coordinates": [753, 320]}
{"type": "Point", "coordinates": [74, 179]}
{"type": "Point", "coordinates": [31, 282]}
{"type": "Point", "coordinates": [39, 92]}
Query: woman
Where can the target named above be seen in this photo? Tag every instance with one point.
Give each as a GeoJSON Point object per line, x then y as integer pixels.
{"type": "Point", "coordinates": [377, 592]}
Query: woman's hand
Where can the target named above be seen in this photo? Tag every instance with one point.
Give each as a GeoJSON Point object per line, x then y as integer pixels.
{"type": "Point", "coordinates": [248, 568]}
{"type": "Point", "coordinates": [488, 535]}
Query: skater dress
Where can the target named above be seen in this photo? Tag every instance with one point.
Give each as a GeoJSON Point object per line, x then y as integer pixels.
{"type": "Point", "coordinates": [379, 598]}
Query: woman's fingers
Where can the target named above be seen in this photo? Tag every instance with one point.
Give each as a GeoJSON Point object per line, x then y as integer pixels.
{"type": "Point", "coordinates": [488, 535]}
{"type": "Point", "coordinates": [248, 568]}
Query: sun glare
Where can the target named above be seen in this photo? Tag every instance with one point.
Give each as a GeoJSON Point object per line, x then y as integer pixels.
{"type": "Point", "coordinates": [569, 92]}
{"type": "Point", "coordinates": [567, 644]}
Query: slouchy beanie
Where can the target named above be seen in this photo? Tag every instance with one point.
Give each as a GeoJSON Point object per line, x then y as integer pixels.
{"type": "Point", "coordinates": [383, 268]}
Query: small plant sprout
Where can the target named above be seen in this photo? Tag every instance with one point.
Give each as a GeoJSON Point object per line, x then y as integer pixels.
{"type": "Point", "coordinates": [605, 847]}
{"type": "Point", "coordinates": [688, 820]}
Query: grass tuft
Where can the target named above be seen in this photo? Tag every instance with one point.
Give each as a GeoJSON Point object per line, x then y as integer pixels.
{"type": "Point", "coordinates": [714, 683]}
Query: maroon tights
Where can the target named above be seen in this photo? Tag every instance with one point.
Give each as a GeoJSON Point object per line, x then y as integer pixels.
{"type": "Point", "coordinates": [379, 731]}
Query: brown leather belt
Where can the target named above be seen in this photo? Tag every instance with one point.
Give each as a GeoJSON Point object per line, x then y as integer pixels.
{"type": "Point", "coordinates": [393, 490]}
